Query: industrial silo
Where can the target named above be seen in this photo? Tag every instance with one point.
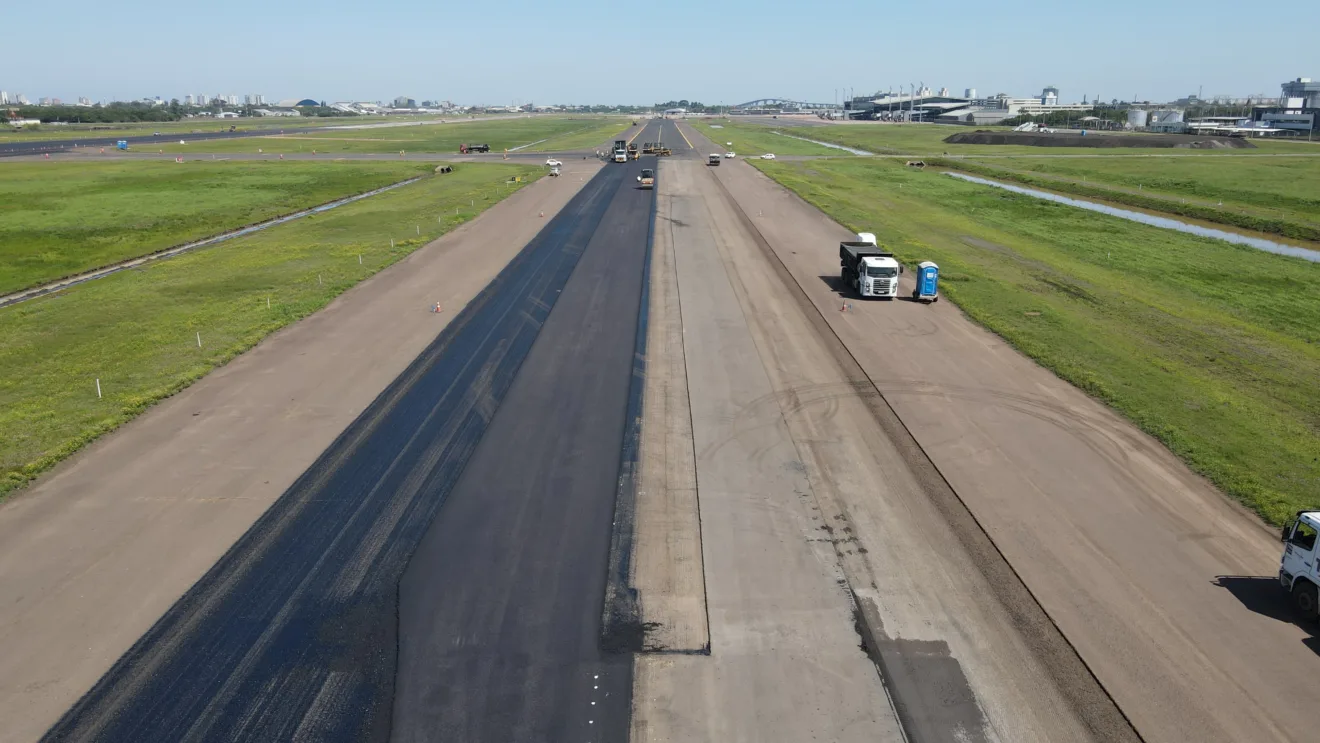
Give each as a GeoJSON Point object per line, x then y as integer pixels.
{"type": "Point", "coordinates": [1136, 118]}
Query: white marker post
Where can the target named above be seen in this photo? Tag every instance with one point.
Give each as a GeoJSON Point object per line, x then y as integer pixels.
{"type": "Point", "coordinates": [359, 259]}
{"type": "Point", "coordinates": [319, 282]}
{"type": "Point", "coordinates": [98, 388]}
{"type": "Point", "coordinates": [267, 302]}
{"type": "Point", "coordinates": [199, 339]}
{"type": "Point", "coordinates": [419, 229]}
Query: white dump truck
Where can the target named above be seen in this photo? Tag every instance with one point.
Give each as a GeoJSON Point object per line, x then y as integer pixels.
{"type": "Point", "coordinates": [1298, 571]}
{"type": "Point", "coordinates": [867, 268]}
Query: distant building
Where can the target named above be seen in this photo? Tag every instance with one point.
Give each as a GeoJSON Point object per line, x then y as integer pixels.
{"type": "Point", "coordinates": [269, 112]}
{"type": "Point", "coordinates": [1298, 110]}
{"type": "Point", "coordinates": [43, 101]}
{"type": "Point", "coordinates": [22, 100]}
{"type": "Point", "coordinates": [1301, 93]}
{"type": "Point", "coordinates": [970, 93]}
{"type": "Point", "coordinates": [4, 98]}
{"type": "Point", "coordinates": [296, 103]}
{"type": "Point", "coordinates": [404, 102]}
{"type": "Point", "coordinates": [84, 101]}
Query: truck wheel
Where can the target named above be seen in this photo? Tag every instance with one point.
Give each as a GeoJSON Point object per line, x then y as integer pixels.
{"type": "Point", "coordinates": [1307, 600]}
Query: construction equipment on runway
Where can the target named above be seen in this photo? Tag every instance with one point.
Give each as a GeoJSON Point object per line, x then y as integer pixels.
{"type": "Point", "coordinates": [648, 148]}
{"type": "Point", "coordinates": [662, 150]}
{"type": "Point", "coordinates": [633, 154]}
{"type": "Point", "coordinates": [1299, 571]}
{"type": "Point", "coordinates": [646, 179]}
{"type": "Point", "coordinates": [620, 150]}
{"type": "Point", "coordinates": [467, 149]}
{"type": "Point", "coordinates": [867, 268]}
{"type": "Point", "coordinates": [713, 160]}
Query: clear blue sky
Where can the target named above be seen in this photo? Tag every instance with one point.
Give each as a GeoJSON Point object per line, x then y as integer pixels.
{"type": "Point", "coordinates": [581, 51]}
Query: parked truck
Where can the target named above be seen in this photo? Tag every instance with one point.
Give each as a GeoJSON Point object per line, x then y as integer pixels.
{"type": "Point", "coordinates": [867, 268]}
{"type": "Point", "coordinates": [620, 150]}
{"type": "Point", "coordinates": [1298, 571]}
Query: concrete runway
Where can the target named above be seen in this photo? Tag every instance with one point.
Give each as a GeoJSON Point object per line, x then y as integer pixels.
{"type": "Point", "coordinates": [297, 625]}
{"type": "Point", "coordinates": [1162, 585]}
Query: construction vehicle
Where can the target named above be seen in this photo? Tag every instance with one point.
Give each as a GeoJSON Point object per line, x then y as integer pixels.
{"type": "Point", "coordinates": [646, 179]}
{"type": "Point", "coordinates": [662, 150]}
{"type": "Point", "coordinates": [468, 149]}
{"type": "Point", "coordinates": [713, 160]}
{"type": "Point", "coordinates": [867, 268]}
{"type": "Point", "coordinates": [633, 154]}
{"type": "Point", "coordinates": [648, 148]}
{"type": "Point", "coordinates": [1299, 571]}
{"type": "Point", "coordinates": [620, 150]}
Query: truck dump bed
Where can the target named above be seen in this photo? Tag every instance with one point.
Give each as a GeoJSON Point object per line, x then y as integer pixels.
{"type": "Point", "coordinates": [853, 251]}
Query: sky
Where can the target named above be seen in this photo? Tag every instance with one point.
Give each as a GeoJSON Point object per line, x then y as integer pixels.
{"type": "Point", "coordinates": [589, 51]}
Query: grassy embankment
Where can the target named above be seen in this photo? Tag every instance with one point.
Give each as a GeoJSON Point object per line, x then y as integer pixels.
{"type": "Point", "coordinates": [1212, 348]}
{"type": "Point", "coordinates": [927, 140]}
{"type": "Point", "coordinates": [59, 218]}
{"type": "Point", "coordinates": [189, 126]}
{"type": "Point", "coordinates": [135, 330]}
{"type": "Point", "coordinates": [751, 140]}
{"type": "Point", "coordinates": [1275, 195]}
{"type": "Point", "coordinates": [436, 138]}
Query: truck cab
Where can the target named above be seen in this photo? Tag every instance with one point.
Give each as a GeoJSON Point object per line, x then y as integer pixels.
{"type": "Point", "coordinates": [1298, 572]}
{"type": "Point", "coordinates": [868, 269]}
{"type": "Point", "coordinates": [713, 160]}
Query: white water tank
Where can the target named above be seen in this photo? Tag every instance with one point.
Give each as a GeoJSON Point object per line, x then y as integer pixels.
{"type": "Point", "coordinates": [970, 93]}
{"type": "Point", "coordinates": [1170, 116]}
{"type": "Point", "coordinates": [1137, 118]}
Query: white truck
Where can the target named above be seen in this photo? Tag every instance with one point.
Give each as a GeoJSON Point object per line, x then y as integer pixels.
{"type": "Point", "coordinates": [1298, 571]}
{"type": "Point", "coordinates": [620, 151]}
{"type": "Point", "coordinates": [867, 268]}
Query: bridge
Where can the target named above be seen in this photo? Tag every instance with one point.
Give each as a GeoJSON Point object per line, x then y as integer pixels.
{"type": "Point", "coordinates": [782, 103]}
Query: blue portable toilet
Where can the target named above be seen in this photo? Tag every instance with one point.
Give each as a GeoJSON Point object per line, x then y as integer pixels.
{"type": "Point", "coordinates": [928, 281]}
{"type": "Point", "coordinates": [122, 144]}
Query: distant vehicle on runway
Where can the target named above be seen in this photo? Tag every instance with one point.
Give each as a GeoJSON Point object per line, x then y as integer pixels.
{"type": "Point", "coordinates": [730, 155]}
{"type": "Point", "coordinates": [867, 268]}
{"type": "Point", "coordinates": [768, 156]}
{"type": "Point", "coordinates": [554, 171]}
{"type": "Point", "coordinates": [713, 159]}
{"type": "Point", "coordinates": [646, 179]}
{"type": "Point", "coordinates": [467, 149]}
{"type": "Point", "coordinates": [553, 163]}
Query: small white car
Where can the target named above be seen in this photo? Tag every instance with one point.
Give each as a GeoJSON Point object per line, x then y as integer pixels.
{"type": "Point", "coordinates": [768, 156]}
{"type": "Point", "coordinates": [729, 155]}
{"type": "Point", "coordinates": [553, 163]}
{"type": "Point", "coordinates": [728, 144]}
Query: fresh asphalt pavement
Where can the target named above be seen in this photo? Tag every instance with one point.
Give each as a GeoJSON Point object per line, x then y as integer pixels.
{"type": "Point", "coordinates": [296, 633]}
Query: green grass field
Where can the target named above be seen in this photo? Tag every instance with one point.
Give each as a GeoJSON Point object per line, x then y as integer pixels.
{"type": "Point", "coordinates": [1279, 195]}
{"type": "Point", "coordinates": [63, 218]}
{"type": "Point", "coordinates": [136, 330]}
{"type": "Point", "coordinates": [429, 138]}
{"type": "Point", "coordinates": [187, 126]}
{"type": "Point", "coordinates": [927, 140]}
{"type": "Point", "coordinates": [752, 140]}
{"type": "Point", "coordinates": [1212, 348]}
